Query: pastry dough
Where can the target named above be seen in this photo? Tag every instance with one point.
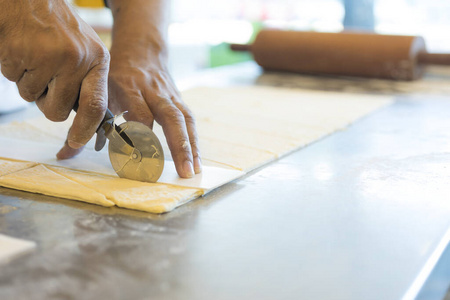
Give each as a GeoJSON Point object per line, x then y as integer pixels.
{"type": "Point", "coordinates": [149, 197]}
{"type": "Point", "coordinates": [236, 156]}
{"type": "Point", "coordinates": [233, 134]}
{"type": "Point", "coordinates": [39, 179]}
{"type": "Point", "coordinates": [240, 128]}
{"type": "Point", "coordinates": [93, 188]}
{"type": "Point", "coordinates": [11, 166]}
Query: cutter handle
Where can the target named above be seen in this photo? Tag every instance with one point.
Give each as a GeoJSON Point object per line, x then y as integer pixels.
{"type": "Point", "coordinates": [75, 106]}
{"type": "Point", "coordinates": [108, 115]}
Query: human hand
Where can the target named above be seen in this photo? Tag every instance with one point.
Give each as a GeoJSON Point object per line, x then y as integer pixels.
{"type": "Point", "coordinates": [55, 59]}
{"type": "Point", "coordinates": [145, 89]}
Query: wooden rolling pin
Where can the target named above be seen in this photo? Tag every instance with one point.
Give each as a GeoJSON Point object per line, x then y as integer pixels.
{"type": "Point", "coordinates": [350, 54]}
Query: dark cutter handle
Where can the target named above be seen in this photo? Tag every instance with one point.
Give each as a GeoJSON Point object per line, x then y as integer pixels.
{"type": "Point", "coordinates": [108, 115]}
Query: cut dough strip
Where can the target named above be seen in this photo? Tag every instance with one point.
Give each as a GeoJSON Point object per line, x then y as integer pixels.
{"type": "Point", "coordinates": [149, 197]}
{"type": "Point", "coordinates": [39, 179]}
{"type": "Point", "coordinates": [11, 166]}
{"type": "Point", "coordinates": [93, 187]}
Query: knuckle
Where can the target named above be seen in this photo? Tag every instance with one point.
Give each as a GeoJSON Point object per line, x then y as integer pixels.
{"type": "Point", "coordinates": [78, 56]}
{"type": "Point", "coordinates": [9, 76]}
{"type": "Point", "coordinates": [25, 94]}
{"type": "Point", "coordinates": [157, 81]}
{"type": "Point", "coordinates": [29, 93]}
{"type": "Point", "coordinates": [96, 107]}
{"type": "Point", "coordinates": [71, 52]}
{"type": "Point", "coordinates": [103, 55]}
{"type": "Point", "coordinates": [185, 145]}
{"type": "Point", "coordinates": [100, 54]}
{"type": "Point", "coordinates": [70, 56]}
{"type": "Point", "coordinates": [180, 147]}
{"type": "Point", "coordinates": [6, 71]}
{"type": "Point", "coordinates": [11, 72]}
{"type": "Point", "coordinates": [189, 117]}
{"type": "Point", "coordinates": [195, 147]}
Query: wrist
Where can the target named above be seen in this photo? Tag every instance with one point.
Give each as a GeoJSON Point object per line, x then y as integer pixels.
{"type": "Point", "coordinates": [139, 31]}
{"type": "Point", "coordinates": [142, 50]}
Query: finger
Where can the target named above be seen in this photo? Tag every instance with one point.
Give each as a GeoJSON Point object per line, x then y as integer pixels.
{"type": "Point", "coordinates": [67, 152]}
{"type": "Point", "coordinates": [12, 71]}
{"type": "Point", "coordinates": [123, 98]}
{"type": "Point", "coordinates": [92, 106]}
{"type": "Point", "coordinates": [192, 133]}
{"type": "Point", "coordinates": [62, 93]}
{"type": "Point", "coordinates": [32, 86]}
{"type": "Point", "coordinates": [174, 126]}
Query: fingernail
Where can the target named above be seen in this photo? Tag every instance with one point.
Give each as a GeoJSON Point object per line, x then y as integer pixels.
{"type": "Point", "coordinates": [188, 169]}
{"type": "Point", "coordinates": [67, 152]}
{"type": "Point", "coordinates": [75, 145]}
{"type": "Point", "coordinates": [197, 165]}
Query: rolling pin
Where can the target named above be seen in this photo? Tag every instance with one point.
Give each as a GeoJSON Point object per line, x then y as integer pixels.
{"type": "Point", "coordinates": [350, 54]}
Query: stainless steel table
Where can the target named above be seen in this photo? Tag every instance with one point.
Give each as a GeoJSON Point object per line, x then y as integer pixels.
{"type": "Point", "coordinates": [361, 214]}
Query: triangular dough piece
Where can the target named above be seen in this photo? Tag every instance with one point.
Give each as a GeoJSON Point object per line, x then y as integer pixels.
{"type": "Point", "coordinates": [149, 197]}
{"type": "Point", "coordinates": [11, 166]}
{"type": "Point", "coordinates": [41, 180]}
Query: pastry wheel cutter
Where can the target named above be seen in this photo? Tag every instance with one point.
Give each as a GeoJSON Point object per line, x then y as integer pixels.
{"type": "Point", "coordinates": [134, 150]}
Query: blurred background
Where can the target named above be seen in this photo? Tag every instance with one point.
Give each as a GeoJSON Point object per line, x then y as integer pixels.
{"type": "Point", "coordinates": [200, 30]}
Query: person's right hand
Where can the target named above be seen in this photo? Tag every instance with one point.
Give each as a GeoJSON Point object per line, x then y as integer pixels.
{"type": "Point", "coordinates": [56, 59]}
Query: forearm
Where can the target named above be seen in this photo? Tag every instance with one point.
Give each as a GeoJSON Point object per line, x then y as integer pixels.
{"type": "Point", "coordinates": [140, 30]}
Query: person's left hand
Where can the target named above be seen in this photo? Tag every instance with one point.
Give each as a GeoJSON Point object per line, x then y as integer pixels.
{"type": "Point", "coordinates": [146, 90]}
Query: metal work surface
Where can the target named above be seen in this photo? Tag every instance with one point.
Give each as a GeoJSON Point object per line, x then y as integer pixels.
{"type": "Point", "coordinates": [361, 214]}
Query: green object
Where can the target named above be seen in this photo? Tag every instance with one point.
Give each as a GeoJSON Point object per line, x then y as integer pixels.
{"type": "Point", "coordinates": [221, 55]}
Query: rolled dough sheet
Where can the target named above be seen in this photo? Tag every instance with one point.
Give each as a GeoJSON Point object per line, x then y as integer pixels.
{"type": "Point", "coordinates": [245, 127]}
{"type": "Point", "coordinates": [11, 248]}
{"type": "Point", "coordinates": [239, 130]}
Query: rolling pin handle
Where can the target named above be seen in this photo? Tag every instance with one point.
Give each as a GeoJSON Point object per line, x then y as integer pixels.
{"type": "Point", "coordinates": [240, 47]}
{"type": "Point", "coordinates": [433, 58]}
